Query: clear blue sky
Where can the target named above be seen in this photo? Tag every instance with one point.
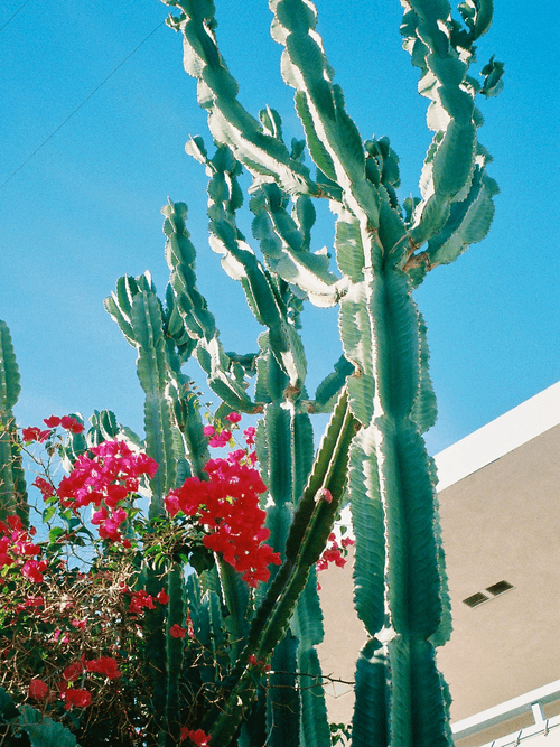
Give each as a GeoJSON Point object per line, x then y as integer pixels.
{"type": "Point", "coordinates": [86, 208]}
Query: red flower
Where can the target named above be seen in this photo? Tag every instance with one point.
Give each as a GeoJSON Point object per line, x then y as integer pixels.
{"type": "Point", "coordinates": [35, 434]}
{"type": "Point", "coordinates": [176, 631]}
{"type": "Point", "coordinates": [52, 422]}
{"type": "Point", "coordinates": [73, 671]}
{"type": "Point", "coordinates": [162, 597]}
{"type": "Point", "coordinates": [198, 736]}
{"type": "Point", "coordinates": [326, 494]}
{"type": "Point", "coordinates": [45, 487]}
{"type": "Point", "coordinates": [249, 436]}
{"type": "Point", "coordinates": [76, 697]}
{"type": "Point", "coordinates": [233, 417]}
{"type": "Point", "coordinates": [71, 424]}
{"type": "Point", "coordinates": [104, 665]}
{"type": "Point", "coordinates": [38, 689]}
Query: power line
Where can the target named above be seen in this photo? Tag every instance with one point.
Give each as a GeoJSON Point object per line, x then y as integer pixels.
{"type": "Point", "coordinates": [11, 18]}
{"type": "Point", "coordinates": [77, 109]}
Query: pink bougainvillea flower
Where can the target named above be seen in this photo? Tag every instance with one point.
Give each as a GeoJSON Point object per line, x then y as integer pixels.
{"type": "Point", "coordinates": [33, 570]}
{"type": "Point", "coordinates": [209, 430]}
{"type": "Point", "coordinates": [197, 736]}
{"type": "Point", "coordinates": [326, 494]}
{"type": "Point", "coordinates": [139, 600]}
{"type": "Point", "coordinates": [233, 417]}
{"type": "Point", "coordinates": [249, 436]}
{"type": "Point", "coordinates": [227, 505]}
{"type": "Point", "coordinates": [176, 631]}
{"type": "Point", "coordinates": [221, 439]}
{"type": "Point", "coordinates": [38, 689]}
{"type": "Point", "coordinates": [162, 597]}
{"type": "Point", "coordinates": [45, 487]}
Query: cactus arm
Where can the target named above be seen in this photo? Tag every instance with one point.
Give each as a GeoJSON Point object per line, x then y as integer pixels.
{"type": "Point", "coordinates": [456, 208]}
{"type": "Point", "coordinates": [371, 717]}
{"type": "Point", "coordinates": [13, 490]}
{"type": "Point", "coordinates": [153, 375]}
{"type": "Point", "coordinates": [181, 256]}
{"type": "Point", "coordinates": [424, 410]}
{"type": "Point", "coordinates": [329, 389]}
{"type": "Point", "coordinates": [263, 294]}
{"type": "Point", "coordinates": [283, 703]}
{"type": "Point", "coordinates": [307, 537]}
{"type": "Point", "coordinates": [264, 154]}
{"type": "Point", "coordinates": [236, 601]}
{"type": "Point", "coordinates": [175, 650]}
{"type": "Point", "coordinates": [283, 243]}
{"type": "Point", "coordinates": [192, 309]}
{"type": "Point", "coordinates": [469, 221]}
{"type": "Point", "coordinates": [391, 468]}
{"type": "Point", "coordinates": [307, 624]}
{"type": "Point", "coordinates": [320, 105]}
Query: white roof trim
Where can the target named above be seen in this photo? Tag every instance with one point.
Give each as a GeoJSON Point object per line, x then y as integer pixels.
{"type": "Point", "coordinates": [525, 422]}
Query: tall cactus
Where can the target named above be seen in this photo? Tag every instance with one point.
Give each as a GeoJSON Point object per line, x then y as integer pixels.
{"type": "Point", "coordinates": [399, 568]}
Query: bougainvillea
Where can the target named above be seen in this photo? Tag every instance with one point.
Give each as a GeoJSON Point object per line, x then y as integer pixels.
{"type": "Point", "coordinates": [227, 506]}
{"type": "Point", "coordinates": [87, 623]}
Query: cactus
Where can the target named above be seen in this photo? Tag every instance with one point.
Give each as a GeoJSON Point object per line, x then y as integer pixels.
{"type": "Point", "coordinates": [399, 566]}
{"type": "Point", "coordinates": [13, 491]}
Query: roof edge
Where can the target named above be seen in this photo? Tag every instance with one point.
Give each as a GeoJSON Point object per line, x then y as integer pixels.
{"type": "Point", "coordinates": [511, 430]}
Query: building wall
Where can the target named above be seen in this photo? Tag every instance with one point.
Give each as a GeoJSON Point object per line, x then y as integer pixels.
{"type": "Point", "coordinates": [499, 523]}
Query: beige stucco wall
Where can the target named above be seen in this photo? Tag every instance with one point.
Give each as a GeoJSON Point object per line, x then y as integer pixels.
{"type": "Point", "coordinates": [500, 523]}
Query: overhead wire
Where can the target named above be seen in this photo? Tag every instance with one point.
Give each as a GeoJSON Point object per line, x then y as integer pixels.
{"type": "Point", "coordinates": [77, 109]}
{"type": "Point", "coordinates": [11, 18]}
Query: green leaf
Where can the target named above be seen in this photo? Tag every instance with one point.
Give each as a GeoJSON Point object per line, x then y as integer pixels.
{"type": "Point", "coordinates": [48, 513]}
{"type": "Point", "coordinates": [8, 708]}
{"type": "Point", "coordinates": [44, 732]}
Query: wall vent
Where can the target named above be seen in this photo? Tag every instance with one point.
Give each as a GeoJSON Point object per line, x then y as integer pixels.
{"type": "Point", "coordinates": [495, 590]}
{"type": "Point", "coordinates": [499, 588]}
{"type": "Point", "coordinates": [476, 599]}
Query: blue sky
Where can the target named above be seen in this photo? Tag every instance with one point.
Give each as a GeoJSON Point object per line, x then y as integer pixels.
{"type": "Point", "coordinates": [86, 208]}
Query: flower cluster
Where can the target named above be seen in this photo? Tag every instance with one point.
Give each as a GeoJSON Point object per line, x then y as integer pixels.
{"type": "Point", "coordinates": [334, 553]}
{"type": "Point", "coordinates": [17, 549]}
{"type": "Point", "coordinates": [141, 599]}
{"type": "Point", "coordinates": [36, 434]}
{"type": "Point", "coordinates": [104, 480]}
{"type": "Point", "coordinates": [227, 504]}
{"type": "Point", "coordinates": [74, 696]}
